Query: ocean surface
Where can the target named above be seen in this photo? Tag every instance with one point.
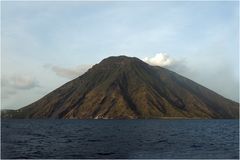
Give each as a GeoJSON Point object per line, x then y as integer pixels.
{"type": "Point", "coordinates": [120, 139]}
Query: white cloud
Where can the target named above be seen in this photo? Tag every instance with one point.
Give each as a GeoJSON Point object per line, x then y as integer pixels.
{"type": "Point", "coordinates": [11, 84]}
{"type": "Point", "coordinates": [7, 92]}
{"type": "Point", "coordinates": [202, 74]}
{"type": "Point", "coordinates": [19, 82]}
{"type": "Point", "coordinates": [160, 59]}
{"type": "Point", "coordinates": [164, 60]}
{"type": "Point", "coordinates": [70, 73]}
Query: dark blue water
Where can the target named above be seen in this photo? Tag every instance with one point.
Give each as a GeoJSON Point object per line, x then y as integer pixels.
{"type": "Point", "coordinates": [120, 139]}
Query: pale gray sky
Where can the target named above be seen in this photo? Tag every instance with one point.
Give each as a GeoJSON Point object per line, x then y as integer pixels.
{"type": "Point", "coordinates": [46, 44]}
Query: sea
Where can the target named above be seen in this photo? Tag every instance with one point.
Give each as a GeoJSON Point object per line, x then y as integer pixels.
{"type": "Point", "coordinates": [119, 139]}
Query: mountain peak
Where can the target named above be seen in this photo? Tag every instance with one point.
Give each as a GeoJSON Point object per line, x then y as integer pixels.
{"type": "Point", "coordinates": [117, 62]}
{"type": "Point", "coordinates": [122, 59]}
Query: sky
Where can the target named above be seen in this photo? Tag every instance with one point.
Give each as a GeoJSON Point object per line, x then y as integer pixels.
{"type": "Point", "coordinates": [46, 44]}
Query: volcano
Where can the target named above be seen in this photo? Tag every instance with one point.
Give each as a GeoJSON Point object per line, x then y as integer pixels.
{"type": "Point", "coordinates": [127, 88]}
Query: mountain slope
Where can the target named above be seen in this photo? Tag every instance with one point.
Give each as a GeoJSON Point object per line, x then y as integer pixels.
{"type": "Point", "coordinates": [123, 87]}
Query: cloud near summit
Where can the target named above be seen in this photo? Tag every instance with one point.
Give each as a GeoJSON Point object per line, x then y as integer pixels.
{"type": "Point", "coordinates": [160, 59]}
{"type": "Point", "coordinates": [164, 60]}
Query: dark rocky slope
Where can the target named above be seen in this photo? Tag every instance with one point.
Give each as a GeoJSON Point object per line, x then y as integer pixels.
{"type": "Point", "coordinates": [123, 87]}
